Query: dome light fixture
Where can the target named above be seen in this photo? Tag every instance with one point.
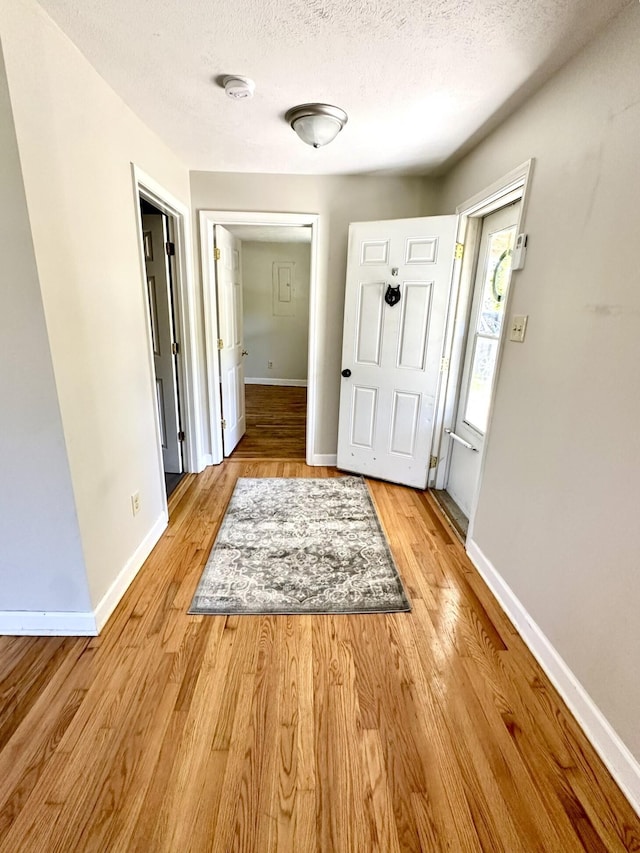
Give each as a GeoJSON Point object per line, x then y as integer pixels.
{"type": "Point", "coordinates": [316, 124]}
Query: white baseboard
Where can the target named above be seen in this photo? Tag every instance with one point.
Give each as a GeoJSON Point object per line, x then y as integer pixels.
{"type": "Point", "coordinates": [328, 459]}
{"type": "Point", "coordinates": [38, 623]}
{"type": "Point", "coordinates": [293, 383]}
{"type": "Point", "coordinates": [131, 568]}
{"type": "Point", "coordinates": [204, 461]}
{"type": "Point", "coordinates": [41, 623]}
{"type": "Point", "coordinates": [621, 763]}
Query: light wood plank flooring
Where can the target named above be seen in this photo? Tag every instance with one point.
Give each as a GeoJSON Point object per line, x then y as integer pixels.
{"type": "Point", "coordinates": [276, 423]}
{"type": "Point", "coordinates": [427, 731]}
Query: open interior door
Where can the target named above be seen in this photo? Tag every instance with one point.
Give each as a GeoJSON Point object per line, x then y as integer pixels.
{"type": "Point", "coordinates": [398, 279]}
{"type": "Point", "coordinates": [154, 229]}
{"type": "Point", "coordinates": [230, 342]}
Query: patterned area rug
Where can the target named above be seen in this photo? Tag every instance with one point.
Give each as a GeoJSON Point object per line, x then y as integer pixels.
{"type": "Point", "coordinates": [300, 546]}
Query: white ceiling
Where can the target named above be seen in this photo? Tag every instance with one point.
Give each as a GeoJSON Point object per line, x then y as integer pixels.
{"type": "Point", "coordinates": [272, 233]}
{"type": "Point", "coordinates": [420, 79]}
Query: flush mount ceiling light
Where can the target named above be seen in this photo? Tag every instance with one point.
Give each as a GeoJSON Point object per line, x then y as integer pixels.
{"type": "Point", "coordinates": [238, 87]}
{"type": "Point", "coordinates": [316, 124]}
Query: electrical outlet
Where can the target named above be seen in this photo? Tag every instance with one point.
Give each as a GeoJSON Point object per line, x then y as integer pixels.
{"type": "Point", "coordinates": [270, 365]}
{"type": "Point", "coordinates": [135, 503]}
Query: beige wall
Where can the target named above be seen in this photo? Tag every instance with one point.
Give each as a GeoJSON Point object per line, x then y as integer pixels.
{"type": "Point", "coordinates": [41, 563]}
{"type": "Point", "coordinates": [283, 340]}
{"type": "Point", "coordinates": [77, 140]}
{"type": "Point", "coordinates": [559, 499]}
{"type": "Point", "coordinates": [339, 201]}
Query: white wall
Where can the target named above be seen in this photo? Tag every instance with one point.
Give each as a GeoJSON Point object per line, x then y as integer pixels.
{"type": "Point", "coordinates": [41, 561]}
{"type": "Point", "coordinates": [269, 337]}
{"type": "Point", "coordinates": [559, 501]}
{"type": "Point", "coordinates": [77, 140]}
{"type": "Point", "coordinates": [339, 200]}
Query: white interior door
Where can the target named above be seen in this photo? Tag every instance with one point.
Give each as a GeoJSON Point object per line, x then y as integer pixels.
{"type": "Point", "coordinates": [391, 353]}
{"type": "Point", "coordinates": [493, 273]}
{"type": "Point", "coordinates": [154, 228]}
{"type": "Point", "coordinates": [230, 344]}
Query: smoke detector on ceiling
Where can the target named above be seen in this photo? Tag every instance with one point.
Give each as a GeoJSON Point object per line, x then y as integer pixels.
{"type": "Point", "coordinates": [238, 88]}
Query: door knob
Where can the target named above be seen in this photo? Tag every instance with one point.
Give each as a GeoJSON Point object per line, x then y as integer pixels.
{"type": "Point", "coordinates": [346, 373]}
{"type": "Point", "coordinates": [245, 352]}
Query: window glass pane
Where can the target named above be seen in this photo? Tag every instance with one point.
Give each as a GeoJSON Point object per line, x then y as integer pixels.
{"type": "Point", "coordinates": [480, 381]}
{"type": "Point", "coordinates": [496, 277]}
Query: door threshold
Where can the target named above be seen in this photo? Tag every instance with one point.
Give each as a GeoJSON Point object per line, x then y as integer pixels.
{"type": "Point", "coordinates": [171, 482]}
{"type": "Point", "coordinates": [452, 512]}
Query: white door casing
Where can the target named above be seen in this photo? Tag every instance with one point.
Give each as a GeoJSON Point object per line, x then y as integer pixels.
{"type": "Point", "coordinates": [393, 352]}
{"type": "Point", "coordinates": [154, 234]}
{"type": "Point", "coordinates": [231, 341]}
{"type": "Point", "coordinates": [485, 326]}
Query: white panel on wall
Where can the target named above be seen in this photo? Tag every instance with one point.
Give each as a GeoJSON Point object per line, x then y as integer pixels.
{"type": "Point", "coordinates": [369, 323]}
{"type": "Point", "coordinates": [284, 285]}
{"type": "Point", "coordinates": [404, 422]}
{"type": "Point", "coordinates": [375, 252]}
{"type": "Point", "coordinates": [364, 404]}
{"type": "Point", "coordinates": [421, 250]}
{"type": "Point", "coordinates": [283, 289]}
{"type": "Point", "coordinates": [414, 325]}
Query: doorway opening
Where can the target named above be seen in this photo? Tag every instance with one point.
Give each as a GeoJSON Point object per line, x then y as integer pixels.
{"type": "Point", "coordinates": [275, 271]}
{"type": "Point", "coordinates": [484, 324]}
{"type": "Point", "coordinates": [165, 254]}
{"type": "Point", "coordinates": [159, 253]}
{"type": "Point", "coordinates": [259, 273]}
{"type": "Point", "coordinates": [489, 225]}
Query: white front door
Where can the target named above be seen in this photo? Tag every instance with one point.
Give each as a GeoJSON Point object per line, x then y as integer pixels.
{"type": "Point", "coordinates": [230, 344]}
{"type": "Point", "coordinates": [391, 352]}
{"type": "Point", "coordinates": [154, 232]}
{"type": "Point", "coordinates": [493, 273]}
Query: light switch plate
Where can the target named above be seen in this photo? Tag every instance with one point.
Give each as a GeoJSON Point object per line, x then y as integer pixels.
{"type": "Point", "coordinates": [518, 327]}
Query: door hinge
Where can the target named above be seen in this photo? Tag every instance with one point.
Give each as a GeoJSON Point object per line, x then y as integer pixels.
{"type": "Point", "coordinates": [433, 462]}
{"type": "Point", "coordinates": [181, 436]}
{"type": "Point", "coordinates": [216, 254]}
{"type": "Point", "coordinates": [220, 343]}
{"type": "Point", "coordinates": [224, 423]}
{"type": "Point", "coordinates": [170, 248]}
{"type": "Point", "coordinates": [444, 364]}
{"type": "Point", "coordinates": [459, 252]}
{"type": "Point", "coordinates": [175, 348]}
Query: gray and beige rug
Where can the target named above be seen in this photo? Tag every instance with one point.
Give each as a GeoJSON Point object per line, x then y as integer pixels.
{"type": "Point", "coordinates": [300, 546]}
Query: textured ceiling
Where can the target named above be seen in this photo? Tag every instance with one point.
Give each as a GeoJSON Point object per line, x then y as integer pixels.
{"type": "Point", "coordinates": [272, 233]}
{"type": "Point", "coordinates": [420, 79]}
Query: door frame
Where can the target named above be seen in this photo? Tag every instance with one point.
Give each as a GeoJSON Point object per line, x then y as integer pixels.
{"type": "Point", "coordinates": [471, 212]}
{"type": "Point", "coordinates": [144, 186]}
{"type": "Point", "coordinates": [208, 220]}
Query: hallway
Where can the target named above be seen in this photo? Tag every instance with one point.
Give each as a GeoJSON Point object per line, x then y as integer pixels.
{"type": "Point", "coordinates": [276, 423]}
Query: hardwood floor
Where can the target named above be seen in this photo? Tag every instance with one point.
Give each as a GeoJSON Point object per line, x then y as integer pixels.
{"type": "Point", "coordinates": [276, 423]}
{"type": "Point", "coordinates": [427, 731]}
